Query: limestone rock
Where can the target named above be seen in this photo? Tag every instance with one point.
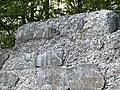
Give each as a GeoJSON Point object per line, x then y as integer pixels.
{"type": "Point", "coordinates": [80, 51]}
{"type": "Point", "coordinates": [51, 57]}
{"type": "Point", "coordinates": [4, 55]}
{"type": "Point", "coordinates": [82, 77]}
{"type": "Point", "coordinates": [50, 33]}
{"type": "Point", "coordinates": [8, 79]}
{"type": "Point", "coordinates": [6, 89]}
{"type": "Point", "coordinates": [40, 33]}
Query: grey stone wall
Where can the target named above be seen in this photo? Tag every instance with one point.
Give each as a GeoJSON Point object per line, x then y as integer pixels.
{"type": "Point", "coordinates": [72, 52]}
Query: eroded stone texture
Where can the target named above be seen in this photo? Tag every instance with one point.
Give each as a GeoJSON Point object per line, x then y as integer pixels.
{"type": "Point", "coordinates": [6, 89]}
{"type": "Point", "coordinates": [8, 80]}
{"type": "Point", "coordinates": [4, 55]}
{"type": "Point", "coordinates": [47, 33]}
{"type": "Point", "coordinates": [51, 54]}
{"type": "Point", "coordinates": [52, 57]}
{"type": "Point", "coordinates": [82, 77]}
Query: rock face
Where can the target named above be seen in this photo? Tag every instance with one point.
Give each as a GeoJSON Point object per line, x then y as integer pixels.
{"type": "Point", "coordinates": [4, 55]}
{"type": "Point", "coordinates": [82, 77]}
{"type": "Point", "coordinates": [72, 52]}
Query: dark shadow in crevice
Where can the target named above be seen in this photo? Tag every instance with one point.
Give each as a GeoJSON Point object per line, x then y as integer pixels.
{"type": "Point", "coordinates": [68, 89]}
{"type": "Point", "coordinates": [114, 23]}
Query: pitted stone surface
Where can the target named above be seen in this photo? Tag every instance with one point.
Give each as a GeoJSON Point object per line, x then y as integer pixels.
{"type": "Point", "coordinates": [50, 58]}
{"type": "Point", "coordinates": [4, 55]}
{"type": "Point", "coordinates": [47, 32]}
{"type": "Point", "coordinates": [8, 80]}
{"type": "Point", "coordinates": [72, 52]}
{"type": "Point", "coordinates": [82, 77]}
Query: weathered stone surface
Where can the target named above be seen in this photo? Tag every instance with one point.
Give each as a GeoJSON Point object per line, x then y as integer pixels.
{"type": "Point", "coordinates": [8, 79]}
{"type": "Point", "coordinates": [50, 58]}
{"type": "Point", "coordinates": [82, 77]}
{"type": "Point", "coordinates": [47, 33]}
{"type": "Point", "coordinates": [6, 89]}
{"type": "Point", "coordinates": [50, 33]}
{"type": "Point", "coordinates": [80, 52]}
{"type": "Point", "coordinates": [4, 55]}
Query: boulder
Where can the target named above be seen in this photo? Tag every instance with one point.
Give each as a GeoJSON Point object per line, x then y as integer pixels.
{"type": "Point", "coordinates": [72, 52]}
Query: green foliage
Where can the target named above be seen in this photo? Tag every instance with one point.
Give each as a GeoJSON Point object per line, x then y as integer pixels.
{"type": "Point", "coordinates": [14, 13]}
{"type": "Point", "coordinates": [7, 41]}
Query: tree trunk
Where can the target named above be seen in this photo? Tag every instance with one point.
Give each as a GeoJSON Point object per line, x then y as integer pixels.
{"type": "Point", "coordinates": [22, 20]}
{"type": "Point", "coordinates": [79, 6]}
{"type": "Point", "coordinates": [32, 12]}
{"type": "Point", "coordinates": [46, 9]}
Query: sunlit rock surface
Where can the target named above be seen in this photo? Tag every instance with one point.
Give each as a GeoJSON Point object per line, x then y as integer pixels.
{"type": "Point", "coordinates": [82, 77]}
{"type": "Point", "coordinates": [72, 52]}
